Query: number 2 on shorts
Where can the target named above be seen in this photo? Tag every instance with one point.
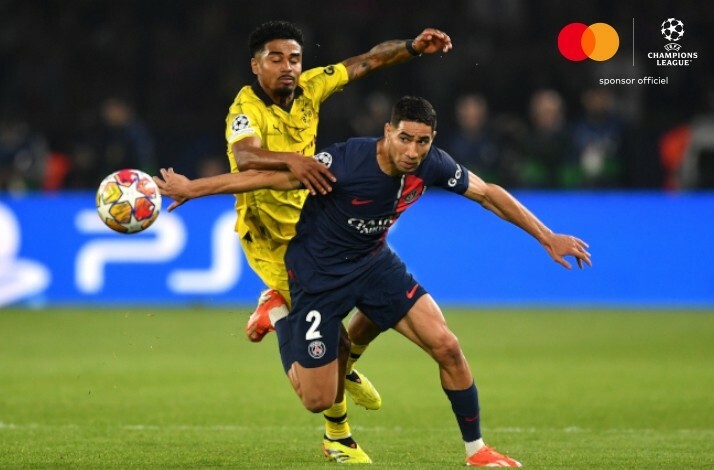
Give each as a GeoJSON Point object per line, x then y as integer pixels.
{"type": "Point", "coordinates": [313, 332]}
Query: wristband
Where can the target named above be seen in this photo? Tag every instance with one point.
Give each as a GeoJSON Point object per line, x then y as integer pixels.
{"type": "Point", "coordinates": [410, 48]}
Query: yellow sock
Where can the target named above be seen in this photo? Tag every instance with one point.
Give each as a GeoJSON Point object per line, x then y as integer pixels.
{"type": "Point", "coordinates": [356, 350]}
{"type": "Point", "coordinates": [336, 425]}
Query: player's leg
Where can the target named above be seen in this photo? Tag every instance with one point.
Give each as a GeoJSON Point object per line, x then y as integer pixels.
{"type": "Point", "coordinates": [267, 260]}
{"type": "Point", "coordinates": [337, 443]}
{"type": "Point", "coordinates": [265, 257]}
{"type": "Point", "coordinates": [362, 331]}
{"type": "Point", "coordinates": [314, 347]}
{"type": "Point", "coordinates": [424, 324]}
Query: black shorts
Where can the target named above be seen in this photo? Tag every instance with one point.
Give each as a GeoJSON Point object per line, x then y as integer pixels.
{"type": "Point", "coordinates": [310, 334]}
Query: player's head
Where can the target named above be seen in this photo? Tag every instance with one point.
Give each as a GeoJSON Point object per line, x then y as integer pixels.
{"type": "Point", "coordinates": [410, 132]}
{"type": "Point", "coordinates": [270, 31]}
{"type": "Point", "coordinates": [415, 109]}
{"type": "Point", "coordinates": [276, 57]}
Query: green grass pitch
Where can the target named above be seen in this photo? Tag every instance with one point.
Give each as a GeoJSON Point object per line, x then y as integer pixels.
{"type": "Point", "coordinates": [136, 388]}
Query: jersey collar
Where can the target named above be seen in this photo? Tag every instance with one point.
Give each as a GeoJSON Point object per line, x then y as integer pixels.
{"type": "Point", "coordinates": [260, 93]}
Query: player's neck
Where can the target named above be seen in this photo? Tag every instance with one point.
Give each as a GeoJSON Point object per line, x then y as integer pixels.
{"type": "Point", "coordinates": [385, 163]}
{"type": "Point", "coordinates": [282, 101]}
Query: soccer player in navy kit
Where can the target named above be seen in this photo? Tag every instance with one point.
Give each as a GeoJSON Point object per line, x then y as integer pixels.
{"type": "Point", "coordinates": [339, 259]}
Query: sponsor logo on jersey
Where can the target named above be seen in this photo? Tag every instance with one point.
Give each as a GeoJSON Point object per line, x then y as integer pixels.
{"type": "Point", "coordinates": [372, 226]}
{"type": "Point", "coordinates": [455, 179]}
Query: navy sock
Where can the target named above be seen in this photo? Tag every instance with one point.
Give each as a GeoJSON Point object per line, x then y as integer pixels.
{"type": "Point", "coordinates": [464, 403]}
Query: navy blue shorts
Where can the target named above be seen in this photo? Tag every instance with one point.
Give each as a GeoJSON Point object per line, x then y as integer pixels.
{"type": "Point", "coordinates": [310, 333]}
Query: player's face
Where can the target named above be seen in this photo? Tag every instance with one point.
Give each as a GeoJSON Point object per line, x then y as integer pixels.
{"type": "Point", "coordinates": [278, 66]}
{"type": "Point", "coordinates": [408, 144]}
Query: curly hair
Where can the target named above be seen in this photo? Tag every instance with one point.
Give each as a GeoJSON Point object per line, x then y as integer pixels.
{"type": "Point", "coordinates": [271, 30]}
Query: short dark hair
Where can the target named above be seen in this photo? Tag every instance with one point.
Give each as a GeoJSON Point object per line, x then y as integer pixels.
{"type": "Point", "coordinates": [271, 30]}
{"type": "Point", "coordinates": [413, 108]}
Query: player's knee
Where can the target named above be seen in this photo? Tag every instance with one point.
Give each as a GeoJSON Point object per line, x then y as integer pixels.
{"type": "Point", "coordinates": [317, 403]}
{"type": "Point", "coordinates": [448, 353]}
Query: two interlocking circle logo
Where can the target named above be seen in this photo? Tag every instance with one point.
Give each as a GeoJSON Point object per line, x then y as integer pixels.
{"type": "Point", "coordinates": [577, 41]}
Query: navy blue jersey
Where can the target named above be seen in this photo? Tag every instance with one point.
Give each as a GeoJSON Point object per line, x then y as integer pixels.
{"type": "Point", "coordinates": [340, 235]}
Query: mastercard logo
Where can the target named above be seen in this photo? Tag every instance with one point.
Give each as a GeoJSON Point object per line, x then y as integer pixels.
{"type": "Point", "coordinates": [578, 41]}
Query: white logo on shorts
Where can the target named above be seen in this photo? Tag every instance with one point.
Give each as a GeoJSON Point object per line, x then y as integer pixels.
{"type": "Point", "coordinates": [316, 349]}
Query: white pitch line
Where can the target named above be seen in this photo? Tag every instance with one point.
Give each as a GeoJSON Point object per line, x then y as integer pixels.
{"type": "Point", "coordinates": [374, 429]}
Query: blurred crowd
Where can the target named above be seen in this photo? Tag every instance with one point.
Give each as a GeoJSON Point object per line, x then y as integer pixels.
{"type": "Point", "coordinates": [87, 87]}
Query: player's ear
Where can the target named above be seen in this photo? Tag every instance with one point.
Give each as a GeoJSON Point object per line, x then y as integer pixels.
{"type": "Point", "coordinates": [387, 129]}
{"type": "Point", "coordinates": [254, 65]}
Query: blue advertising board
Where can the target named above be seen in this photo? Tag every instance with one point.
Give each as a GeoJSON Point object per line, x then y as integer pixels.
{"type": "Point", "coordinates": [649, 249]}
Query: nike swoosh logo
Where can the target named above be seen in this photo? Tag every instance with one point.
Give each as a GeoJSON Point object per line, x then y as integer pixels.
{"type": "Point", "coordinates": [471, 420]}
{"type": "Point", "coordinates": [359, 202]}
{"type": "Point", "coordinates": [410, 293]}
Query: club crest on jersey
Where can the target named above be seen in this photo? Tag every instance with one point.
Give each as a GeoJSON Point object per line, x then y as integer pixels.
{"type": "Point", "coordinates": [324, 158]}
{"type": "Point", "coordinates": [410, 197]}
{"type": "Point", "coordinates": [316, 349]}
{"type": "Point", "coordinates": [412, 190]}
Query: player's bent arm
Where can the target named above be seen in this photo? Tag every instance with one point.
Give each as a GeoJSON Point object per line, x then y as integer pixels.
{"type": "Point", "coordinates": [235, 183]}
{"type": "Point", "coordinates": [397, 51]}
{"type": "Point", "coordinates": [502, 203]}
{"type": "Point", "coordinates": [250, 155]}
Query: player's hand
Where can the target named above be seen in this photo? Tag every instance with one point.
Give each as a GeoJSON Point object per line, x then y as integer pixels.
{"type": "Point", "coordinates": [314, 176]}
{"type": "Point", "coordinates": [559, 246]}
{"type": "Point", "coordinates": [432, 40]}
{"type": "Point", "coordinates": [173, 185]}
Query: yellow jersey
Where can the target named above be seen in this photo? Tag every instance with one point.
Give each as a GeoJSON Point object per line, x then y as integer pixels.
{"type": "Point", "coordinates": [266, 213]}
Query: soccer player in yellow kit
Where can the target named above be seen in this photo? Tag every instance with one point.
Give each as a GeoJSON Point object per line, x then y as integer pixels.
{"type": "Point", "coordinates": [272, 125]}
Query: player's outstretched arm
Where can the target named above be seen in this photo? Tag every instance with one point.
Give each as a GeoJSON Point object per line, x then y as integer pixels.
{"type": "Point", "coordinates": [314, 176]}
{"type": "Point", "coordinates": [502, 203]}
{"type": "Point", "coordinates": [397, 51]}
{"type": "Point", "coordinates": [181, 189]}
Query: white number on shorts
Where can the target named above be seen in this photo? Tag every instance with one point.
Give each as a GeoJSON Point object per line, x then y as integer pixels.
{"type": "Point", "coordinates": [313, 333]}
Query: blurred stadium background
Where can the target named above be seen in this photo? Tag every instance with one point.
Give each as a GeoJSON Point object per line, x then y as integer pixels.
{"type": "Point", "coordinates": [87, 87]}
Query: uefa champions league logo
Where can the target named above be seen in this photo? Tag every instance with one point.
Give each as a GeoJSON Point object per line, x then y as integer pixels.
{"type": "Point", "coordinates": [673, 31]}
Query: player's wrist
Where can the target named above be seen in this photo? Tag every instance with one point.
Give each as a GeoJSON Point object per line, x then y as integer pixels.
{"type": "Point", "coordinates": [409, 43]}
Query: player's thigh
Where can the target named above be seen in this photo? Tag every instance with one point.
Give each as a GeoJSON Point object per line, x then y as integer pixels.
{"type": "Point", "coordinates": [388, 293]}
{"type": "Point", "coordinates": [425, 325]}
{"type": "Point", "coordinates": [310, 338]}
{"type": "Point", "coordinates": [311, 333]}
